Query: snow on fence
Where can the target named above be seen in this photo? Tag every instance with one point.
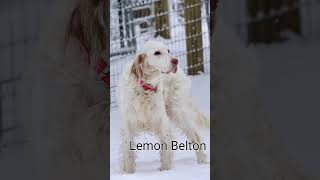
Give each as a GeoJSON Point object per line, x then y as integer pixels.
{"type": "Point", "coordinates": [181, 24]}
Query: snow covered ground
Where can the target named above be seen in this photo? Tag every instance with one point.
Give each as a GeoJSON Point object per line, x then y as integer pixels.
{"type": "Point", "coordinates": [148, 162]}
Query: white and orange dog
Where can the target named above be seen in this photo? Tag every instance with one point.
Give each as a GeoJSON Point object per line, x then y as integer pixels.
{"type": "Point", "coordinates": [154, 94]}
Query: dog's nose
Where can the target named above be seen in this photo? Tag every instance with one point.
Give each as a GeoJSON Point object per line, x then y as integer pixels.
{"type": "Point", "coordinates": [174, 61]}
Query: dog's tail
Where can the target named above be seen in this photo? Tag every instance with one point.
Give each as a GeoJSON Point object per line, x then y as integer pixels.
{"type": "Point", "coordinates": [201, 119]}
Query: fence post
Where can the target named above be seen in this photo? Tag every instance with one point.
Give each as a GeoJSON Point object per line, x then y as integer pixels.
{"type": "Point", "coordinates": [131, 19]}
{"type": "Point", "coordinates": [121, 29]}
{"type": "Point", "coordinates": [126, 23]}
{"type": "Point", "coordinates": [194, 36]}
{"type": "Point", "coordinates": [162, 20]}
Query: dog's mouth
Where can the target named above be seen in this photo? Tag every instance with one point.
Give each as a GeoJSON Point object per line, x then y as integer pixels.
{"type": "Point", "coordinates": [174, 70]}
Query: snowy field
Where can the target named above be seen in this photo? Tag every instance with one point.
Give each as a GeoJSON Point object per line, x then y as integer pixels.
{"type": "Point", "coordinates": [148, 162]}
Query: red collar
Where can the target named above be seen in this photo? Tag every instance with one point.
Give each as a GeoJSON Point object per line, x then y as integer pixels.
{"type": "Point", "coordinates": [147, 87]}
{"type": "Point", "coordinates": [102, 71]}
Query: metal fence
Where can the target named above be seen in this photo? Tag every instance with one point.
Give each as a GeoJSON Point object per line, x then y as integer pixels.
{"type": "Point", "coordinates": [183, 25]}
{"type": "Point", "coordinates": [20, 25]}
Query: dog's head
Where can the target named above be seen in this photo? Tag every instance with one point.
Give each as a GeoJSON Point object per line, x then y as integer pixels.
{"type": "Point", "coordinates": [154, 58]}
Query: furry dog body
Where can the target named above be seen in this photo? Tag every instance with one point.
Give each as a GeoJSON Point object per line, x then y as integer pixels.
{"type": "Point", "coordinates": [182, 110]}
{"type": "Point", "coordinates": [144, 110]}
{"type": "Point", "coordinates": [151, 109]}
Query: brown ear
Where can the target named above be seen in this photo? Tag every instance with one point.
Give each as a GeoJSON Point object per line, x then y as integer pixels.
{"type": "Point", "coordinates": [137, 67]}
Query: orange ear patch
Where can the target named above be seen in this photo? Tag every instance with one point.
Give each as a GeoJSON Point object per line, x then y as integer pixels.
{"type": "Point", "coordinates": [136, 69]}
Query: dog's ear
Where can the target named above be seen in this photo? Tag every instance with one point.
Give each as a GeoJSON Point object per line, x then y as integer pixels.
{"type": "Point", "coordinates": [137, 67]}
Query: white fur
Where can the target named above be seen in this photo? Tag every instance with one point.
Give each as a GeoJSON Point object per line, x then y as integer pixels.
{"type": "Point", "coordinates": [146, 111]}
{"type": "Point", "coordinates": [181, 109]}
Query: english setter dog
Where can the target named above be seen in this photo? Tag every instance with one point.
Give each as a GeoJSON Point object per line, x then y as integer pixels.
{"type": "Point", "coordinates": [154, 94]}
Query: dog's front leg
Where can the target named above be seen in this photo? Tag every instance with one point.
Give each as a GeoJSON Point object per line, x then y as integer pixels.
{"type": "Point", "coordinates": [127, 159]}
{"type": "Point", "coordinates": [166, 153]}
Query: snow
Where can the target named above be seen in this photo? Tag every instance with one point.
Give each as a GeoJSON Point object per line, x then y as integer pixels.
{"type": "Point", "coordinates": [148, 162]}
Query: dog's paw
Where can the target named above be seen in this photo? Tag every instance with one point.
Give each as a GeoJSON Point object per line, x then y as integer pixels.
{"type": "Point", "coordinates": [203, 162]}
{"type": "Point", "coordinates": [165, 168]}
{"type": "Point", "coordinates": [201, 158]}
{"type": "Point", "coordinates": [128, 171]}
{"type": "Point", "coordinates": [128, 168]}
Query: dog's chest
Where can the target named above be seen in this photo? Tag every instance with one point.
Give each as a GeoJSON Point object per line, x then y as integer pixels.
{"type": "Point", "coordinates": [150, 106]}
{"type": "Point", "coordinates": [148, 99]}
{"type": "Point", "coordinates": [149, 102]}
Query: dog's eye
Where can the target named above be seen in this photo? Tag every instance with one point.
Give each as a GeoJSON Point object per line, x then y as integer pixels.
{"type": "Point", "coordinates": [157, 53]}
{"type": "Point", "coordinates": [168, 50]}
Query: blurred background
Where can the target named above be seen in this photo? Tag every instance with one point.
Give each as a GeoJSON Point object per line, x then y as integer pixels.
{"type": "Point", "coordinates": [285, 36]}
{"type": "Point", "coordinates": [20, 26]}
{"type": "Point", "coordinates": [20, 22]}
{"type": "Point", "coordinates": [271, 21]}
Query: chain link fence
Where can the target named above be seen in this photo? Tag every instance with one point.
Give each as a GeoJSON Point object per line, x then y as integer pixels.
{"type": "Point", "coordinates": [183, 25]}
